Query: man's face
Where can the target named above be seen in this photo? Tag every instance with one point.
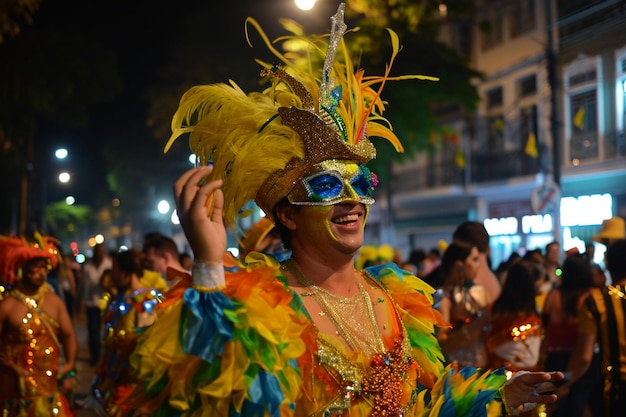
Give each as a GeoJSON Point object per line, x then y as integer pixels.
{"type": "Point", "coordinates": [552, 255]}
{"type": "Point", "coordinates": [338, 227]}
{"type": "Point", "coordinates": [155, 261]}
{"type": "Point", "coordinates": [35, 272]}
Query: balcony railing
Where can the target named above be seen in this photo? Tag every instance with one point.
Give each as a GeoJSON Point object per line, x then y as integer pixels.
{"type": "Point", "coordinates": [489, 167]}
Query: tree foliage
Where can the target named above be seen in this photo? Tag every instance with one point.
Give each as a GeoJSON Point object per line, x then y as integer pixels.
{"type": "Point", "coordinates": [414, 104]}
{"type": "Point", "coordinates": [14, 14]}
{"type": "Point", "coordinates": [63, 220]}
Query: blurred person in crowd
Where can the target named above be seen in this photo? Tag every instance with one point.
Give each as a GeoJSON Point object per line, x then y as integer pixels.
{"type": "Point", "coordinates": [474, 233]}
{"type": "Point", "coordinates": [129, 309]}
{"type": "Point", "coordinates": [68, 283]}
{"type": "Point", "coordinates": [432, 261]}
{"type": "Point", "coordinates": [515, 332]}
{"type": "Point", "coordinates": [504, 267]}
{"type": "Point", "coordinates": [108, 285]}
{"type": "Point", "coordinates": [161, 254]}
{"type": "Point", "coordinates": [91, 298]}
{"type": "Point", "coordinates": [590, 252]}
{"type": "Point", "coordinates": [185, 260]}
{"type": "Point", "coordinates": [611, 230]}
{"type": "Point", "coordinates": [560, 316]}
{"type": "Point", "coordinates": [551, 263]}
{"type": "Point", "coordinates": [152, 278]}
{"type": "Point", "coordinates": [37, 340]}
{"type": "Point", "coordinates": [543, 283]}
{"type": "Point", "coordinates": [601, 321]}
{"type": "Point", "coordinates": [76, 271]}
{"type": "Point", "coordinates": [463, 305]}
{"type": "Point", "coordinates": [415, 262]}
{"type": "Point", "coordinates": [311, 335]}
{"type": "Point", "coordinates": [598, 276]}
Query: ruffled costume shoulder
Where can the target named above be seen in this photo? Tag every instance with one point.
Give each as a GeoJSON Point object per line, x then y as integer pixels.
{"type": "Point", "coordinates": [250, 349]}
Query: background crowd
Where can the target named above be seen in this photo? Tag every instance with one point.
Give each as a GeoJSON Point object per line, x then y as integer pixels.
{"type": "Point", "coordinates": [523, 314]}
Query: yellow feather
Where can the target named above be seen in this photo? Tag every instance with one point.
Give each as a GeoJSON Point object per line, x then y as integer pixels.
{"type": "Point", "coordinates": [224, 125]}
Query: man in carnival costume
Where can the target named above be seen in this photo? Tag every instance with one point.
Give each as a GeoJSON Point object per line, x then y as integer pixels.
{"type": "Point", "coordinates": [35, 332]}
{"type": "Point", "coordinates": [311, 335]}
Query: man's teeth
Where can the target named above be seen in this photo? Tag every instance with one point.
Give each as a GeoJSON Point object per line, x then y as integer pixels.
{"type": "Point", "coordinates": [347, 218]}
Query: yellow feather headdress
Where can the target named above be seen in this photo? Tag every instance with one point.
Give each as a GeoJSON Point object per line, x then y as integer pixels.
{"type": "Point", "coordinates": [262, 143]}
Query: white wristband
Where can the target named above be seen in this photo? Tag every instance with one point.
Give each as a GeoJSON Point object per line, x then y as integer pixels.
{"type": "Point", "coordinates": [207, 275]}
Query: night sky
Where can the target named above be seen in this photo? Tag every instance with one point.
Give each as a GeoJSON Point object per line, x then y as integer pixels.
{"type": "Point", "coordinates": [146, 36]}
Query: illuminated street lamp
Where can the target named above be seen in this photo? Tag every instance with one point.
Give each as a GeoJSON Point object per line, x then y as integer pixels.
{"type": "Point", "coordinates": [64, 177]}
{"type": "Point", "coordinates": [50, 174]}
{"type": "Point", "coordinates": [305, 4]}
{"type": "Point", "coordinates": [61, 153]}
{"type": "Point", "coordinates": [163, 207]}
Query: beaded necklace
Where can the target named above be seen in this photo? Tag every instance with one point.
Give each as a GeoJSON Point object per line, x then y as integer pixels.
{"type": "Point", "coordinates": [353, 317]}
{"type": "Point", "coordinates": [31, 301]}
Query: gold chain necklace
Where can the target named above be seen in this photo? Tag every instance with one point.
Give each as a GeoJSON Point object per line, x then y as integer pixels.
{"type": "Point", "coordinates": [353, 317]}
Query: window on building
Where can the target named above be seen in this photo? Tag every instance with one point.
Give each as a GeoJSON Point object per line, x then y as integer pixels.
{"type": "Point", "coordinates": [582, 78]}
{"type": "Point", "coordinates": [584, 119]}
{"type": "Point", "coordinates": [527, 86]}
{"type": "Point", "coordinates": [583, 102]}
{"type": "Point", "coordinates": [522, 17]}
{"type": "Point", "coordinates": [494, 97]}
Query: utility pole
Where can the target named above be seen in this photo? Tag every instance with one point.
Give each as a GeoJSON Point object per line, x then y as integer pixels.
{"type": "Point", "coordinates": [554, 115]}
{"type": "Point", "coordinates": [553, 82]}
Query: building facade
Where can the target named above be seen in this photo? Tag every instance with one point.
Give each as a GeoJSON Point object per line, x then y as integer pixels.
{"type": "Point", "coordinates": [543, 157]}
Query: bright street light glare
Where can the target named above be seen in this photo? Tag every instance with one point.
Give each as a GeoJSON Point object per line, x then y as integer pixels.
{"type": "Point", "coordinates": [61, 153]}
{"type": "Point", "coordinates": [163, 207]}
{"type": "Point", "coordinates": [64, 177]}
{"type": "Point", "coordinates": [305, 4]}
{"type": "Point", "coordinates": [192, 159]}
{"type": "Point", "coordinates": [70, 200]}
{"type": "Point", "coordinates": [174, 218]}
{"type": "Point", "coordinates": [99, 238]}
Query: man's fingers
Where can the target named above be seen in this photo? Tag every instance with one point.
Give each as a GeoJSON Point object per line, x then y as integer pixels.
{"type": "Point", "coordinates": [545, 387]}
{"type": "Point", "coordinates": [205, 198]}
{"type": "Point", "coordinates": [187, 187]}
{"type": "Point", "coordinates": [187, 175]}
{"type": "Point", "coordinates": [218, 205]}
{"type": "Point", "coordinates": [189, 182]}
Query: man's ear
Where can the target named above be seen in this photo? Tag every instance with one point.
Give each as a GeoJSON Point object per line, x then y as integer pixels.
{"type": "Point", "coordinates": [285, 215]}
{"type": "Point", "coordinates": [168, 257]}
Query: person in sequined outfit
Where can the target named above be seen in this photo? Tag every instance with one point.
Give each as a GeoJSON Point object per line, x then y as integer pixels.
{"type": "Point", "coordinates": [126, 313]}
{"type": "Point", "coordinates": [311, 335]}
{"type": "Point", "coordinates": [37, 341]}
